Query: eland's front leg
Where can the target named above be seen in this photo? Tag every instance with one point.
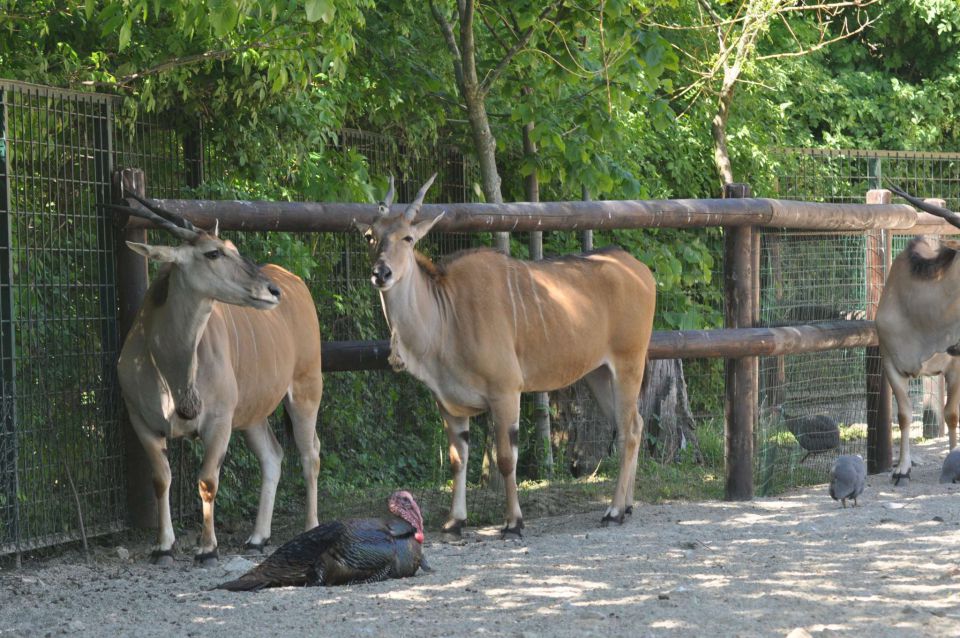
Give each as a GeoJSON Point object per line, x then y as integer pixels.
{"type": "Point", "coordinates": [156, 447]}
{"type": "Point", "coordinates": [458, 439]}
{"type": "Point", "coordinates": [901, 391]}
{"type": "Point", "coordinates": [506, 420]}
{"type": "Point", "coordinates": [214, 452]}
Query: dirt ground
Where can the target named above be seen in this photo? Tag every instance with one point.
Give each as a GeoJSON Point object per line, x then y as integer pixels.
{"type": "Point", "coordinates": [797, 563]}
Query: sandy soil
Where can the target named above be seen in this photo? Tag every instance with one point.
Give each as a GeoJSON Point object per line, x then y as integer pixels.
{"type": "Point", "coordinates": [797, 563]}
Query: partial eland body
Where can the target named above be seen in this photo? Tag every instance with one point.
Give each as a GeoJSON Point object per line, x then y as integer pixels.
{"type": "Point", "coordinates": [918, 325]}
{"type": "Point", "coordinates": [216, 346]}
{"type": "Point", "coordinates": [479, 328]}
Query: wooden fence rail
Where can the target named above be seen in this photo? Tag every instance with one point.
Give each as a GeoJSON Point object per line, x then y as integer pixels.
{"type": "Point", "coordinates": [528, 216]}
{"type": "Point", "coordinates": [740, 342]}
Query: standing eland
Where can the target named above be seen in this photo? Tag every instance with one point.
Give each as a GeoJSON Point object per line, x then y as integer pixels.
{"type": "Point", "coordinates": [918, 324]}
{"type": "Point", "coordinates": [216, 346]}
{"type": "Point", "coordinates": [479, 328]}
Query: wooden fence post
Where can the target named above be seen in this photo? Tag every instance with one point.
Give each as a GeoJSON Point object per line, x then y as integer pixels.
{"type": "Point", "coordinates": [879, 432]}
{"type": "Point", "coordinates": [742, 383]}
{"type": "Point", "coordinates": [131, 288]}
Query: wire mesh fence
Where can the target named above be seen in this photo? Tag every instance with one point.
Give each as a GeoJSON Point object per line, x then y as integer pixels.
{"type": "Point", "coordinates": [813, 406]}
{"type": "Point", "coordinates": [60, 440]}
{"type": "Point", "coordinates": [61, 451]}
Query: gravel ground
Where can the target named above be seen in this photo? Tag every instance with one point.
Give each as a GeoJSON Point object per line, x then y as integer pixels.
{"type": "Point", "coordinates": [797, 564]}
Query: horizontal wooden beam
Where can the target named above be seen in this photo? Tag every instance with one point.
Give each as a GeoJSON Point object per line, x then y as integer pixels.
{"type": "Point", "coordinates": [729, 343]}
{"type": "Point", "coordinates": [528, 216]}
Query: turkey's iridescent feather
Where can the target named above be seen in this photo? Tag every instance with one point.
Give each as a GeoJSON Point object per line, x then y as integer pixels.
{"type": "Point", "coordinates": [342, 552]}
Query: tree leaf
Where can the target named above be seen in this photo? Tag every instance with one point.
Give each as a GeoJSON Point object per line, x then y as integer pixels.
{"type": "Point", "coordinates": [125, 31]}
{"type": "Point", "coordinates": [224, 15]}
{"type": "Point", "coordinates": [320, 10]}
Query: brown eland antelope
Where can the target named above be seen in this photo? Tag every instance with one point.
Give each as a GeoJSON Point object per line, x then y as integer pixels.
{"type": "Point", "coordinates": [203, 358]}
{"type": "Point", "coordinates": [918, 324]}
{"type": "Point", "coordinates": [479, 328]}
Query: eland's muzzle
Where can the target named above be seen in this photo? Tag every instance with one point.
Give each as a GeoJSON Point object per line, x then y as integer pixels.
{"type": "Point", "coordinates": [382, 275]}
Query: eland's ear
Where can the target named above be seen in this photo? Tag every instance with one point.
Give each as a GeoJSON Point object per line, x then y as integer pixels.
{"type": "Point", "coordinates": [360, 227]}
{"type": "Point", "coordinates": [166, 254]}
{"type": "Point", "coordinates": [422, 228]}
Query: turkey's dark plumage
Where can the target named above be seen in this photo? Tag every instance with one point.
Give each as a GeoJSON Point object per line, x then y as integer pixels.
{"type": "Point", "coordinates": [345, 552]}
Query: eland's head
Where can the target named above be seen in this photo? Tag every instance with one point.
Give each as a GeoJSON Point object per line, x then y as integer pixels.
{"type": "Point", "coordinates": [392, 238]}
{"type": "Point", "coordinates": [205, 263]}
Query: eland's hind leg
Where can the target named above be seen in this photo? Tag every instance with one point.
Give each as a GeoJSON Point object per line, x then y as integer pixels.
{"type": "Point", "coordinates": [951, 413]}
{"type": "Point", "coordinates": [505, 411]}
{"type": "Point", "coordinates": [302, 408]}
{"type": "Point", "coordinates": [626, 380]}
{"type": "Point", "coordinates": [266, 448]}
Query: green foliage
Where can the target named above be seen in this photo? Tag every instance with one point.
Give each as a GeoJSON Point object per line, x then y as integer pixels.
{"type": "Point", "coordinates": [275, 83]}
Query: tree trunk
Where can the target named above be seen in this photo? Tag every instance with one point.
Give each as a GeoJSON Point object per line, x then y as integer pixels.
{"type": "Point", "coordinates": [718, 127]}
{"type": "Point", "coordinates": [668, 422]}
{"type": "Point", "coordinates": [541, 400]}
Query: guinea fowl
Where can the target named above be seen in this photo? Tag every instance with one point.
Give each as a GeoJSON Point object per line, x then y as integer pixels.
{"type": "Point", "coordinates": [815, 433]}
{"type": "Point", "coordinates": [848, 476]}
{"type": "Point", "coordinates": [359, 550]}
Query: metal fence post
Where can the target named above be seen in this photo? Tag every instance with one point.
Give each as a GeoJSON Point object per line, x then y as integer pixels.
{"type": "Point", "coordinates": [9, 452]}
{"type": "Point", "coordinates": [742, 385]}
{"type": "Point", "coordinates": [193, 156]}
{"type": "Point", "coordinates": [131, 289]}
{"type": "Point", "coordinates": [586, 236]}
{"type": "Point", "coordinates": [879, 412]}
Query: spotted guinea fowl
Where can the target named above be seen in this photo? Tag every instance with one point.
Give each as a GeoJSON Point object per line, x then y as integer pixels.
{"type": "Point", "coordinates": [848, 476]}
{"type": "Point", "coordinates": [815, 433]}
{"type": "Point", "coordinates": [359, 550]}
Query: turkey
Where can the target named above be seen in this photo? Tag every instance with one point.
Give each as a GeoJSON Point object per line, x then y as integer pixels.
{"type": "Point", "coordinates": [359, 550]}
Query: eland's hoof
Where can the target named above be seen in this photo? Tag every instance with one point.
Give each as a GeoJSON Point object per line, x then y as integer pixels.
{"type": "Point", "coordinates": [210, 559]}
{"type": "Point", "coordinates": [452, 531]}
{"type": "Point", "coordinates": [162, 557]}
{"type": "Point", "coordinates": [256, 548]}
{"type": "Point", "coordinates": [612, 517]}
{"type": "Point", "coordinates": [901, 480]}
{"type": "Point", "coordinates": [512, 532]}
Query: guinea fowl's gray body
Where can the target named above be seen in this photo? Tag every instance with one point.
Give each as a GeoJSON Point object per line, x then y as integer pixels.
{"type": "Point", "coordinates": [360, 550]}
{"type": "Point", "coordinates": [848, 477]}
{"type": "Point", "coordinates": [815, 433]}
{"type": "Point", "coordinates": [951, 467]}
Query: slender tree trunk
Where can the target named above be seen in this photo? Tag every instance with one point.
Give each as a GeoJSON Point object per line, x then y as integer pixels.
{"type": "Point", "coordinates": [541, 400]}
{"type": "Point", "coordinates": [718, 128]}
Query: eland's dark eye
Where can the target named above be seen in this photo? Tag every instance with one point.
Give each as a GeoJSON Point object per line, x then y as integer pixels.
{"type": "Point", "coordinates": [408, 239]}
{"type": "Point", "coordinates": [214, 254]}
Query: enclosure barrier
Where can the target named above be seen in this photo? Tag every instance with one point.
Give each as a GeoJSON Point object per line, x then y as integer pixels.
{"type": "Point", "coordinates": [740, 343]}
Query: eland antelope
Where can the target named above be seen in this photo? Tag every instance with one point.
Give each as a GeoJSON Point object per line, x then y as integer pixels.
{"type": "Point", "coordinates": [479, 328]}
{"type": "Point", "coordinates": [918, 324]}
{"type": "Point", "coordinates": [216, 346]}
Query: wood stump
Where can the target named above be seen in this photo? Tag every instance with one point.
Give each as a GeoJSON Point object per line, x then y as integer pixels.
{"type": "Point", "coordinates": [587, 438]}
